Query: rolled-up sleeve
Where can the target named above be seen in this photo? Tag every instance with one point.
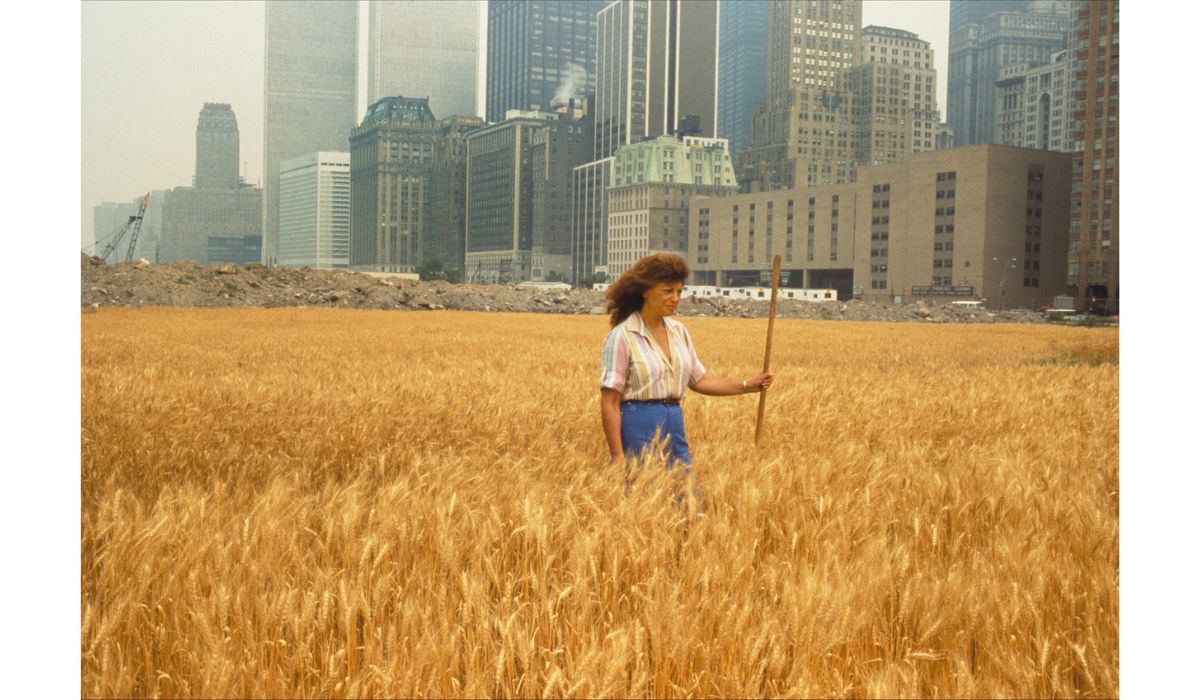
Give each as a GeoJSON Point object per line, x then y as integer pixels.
{"type": "Point", "coordinates": [614, 361]}
{"type": "Point", "coordinates": [698, 370]}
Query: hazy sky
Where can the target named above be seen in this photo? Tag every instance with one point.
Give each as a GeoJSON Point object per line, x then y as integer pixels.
{"type": "Point", "coordinates": [149, 67]}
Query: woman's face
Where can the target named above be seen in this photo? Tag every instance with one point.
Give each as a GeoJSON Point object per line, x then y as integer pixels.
{"type": "Point", "coordinates": [662, 298]}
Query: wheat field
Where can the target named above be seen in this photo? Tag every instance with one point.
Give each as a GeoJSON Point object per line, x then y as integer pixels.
{"type": "Point", "coordinates": [333, 503]}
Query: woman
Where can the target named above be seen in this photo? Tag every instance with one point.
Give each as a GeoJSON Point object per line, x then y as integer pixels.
{"type": "Point", "coordinates": [649, 361]}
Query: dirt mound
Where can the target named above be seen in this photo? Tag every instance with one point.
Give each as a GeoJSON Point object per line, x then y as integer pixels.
{"type": "Point", "coordinates": [227, 285]}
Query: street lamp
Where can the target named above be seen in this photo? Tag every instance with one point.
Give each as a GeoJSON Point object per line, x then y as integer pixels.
{"type": "Point", "coordinates": [1010, 265]}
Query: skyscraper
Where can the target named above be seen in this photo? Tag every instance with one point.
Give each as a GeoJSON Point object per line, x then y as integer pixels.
{"type": "Point", "coordinates": [424, 48]}
{"type": "Point", "coordinates": [895, 86]}
{"type": "Point", "coordinates": [217, 147]}
{"type": "Point", "coordinates": [839, 97]}
{"type": "Point", "coordinates": [518, 195]}
{"type": "Point", "coordinates": [391, 162]}
{"type": "Point", "coordinates": [810, 45]}
{"type": "Point", "coordinates": [314, 211]}
{"type": "Point", "coordinates": [219, 219]}
{"type": "Point", "coordinates": [986, 38]}
{"type": "Point", "coordinates": [1093, 247]}
{"type": "Point", "coordinates": [742, 74]}
{"type": "Point", "coordinates": [656, 64]}
{"type": "Point", "coordinates": [589, 219]}
{"type": "Point", "coordinates": [309, 103]}
{"type": "Point", "coordinates": [962, 81]}
{"type": "Point", "coordinates": [553, 154]}
{"type": "Point", "coordinates": [447, 230]}
{"type": "Point", "coordinates": [541, 53]}
{"type": "Point", "coordinates": [1034, 104]}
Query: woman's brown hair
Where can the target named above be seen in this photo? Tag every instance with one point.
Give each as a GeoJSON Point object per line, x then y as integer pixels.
{"type": "Point", "coordinates": [625, 295]}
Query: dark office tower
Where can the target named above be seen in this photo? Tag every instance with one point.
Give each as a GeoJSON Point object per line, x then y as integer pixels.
{"type": "Point", "coordinates": [447, 230]}
{"type": "Point", "coordinates": [518, 195]}
{"type": "Point", "coordinates": [554, 154]}
{"type": "Point", "coordinates": [986, 38]}
{"type": "Point", "coordinates": [1093, 247]}
{"type": "Point", "coordinates": [541, 53]}
{"type": "Point", "coordinates": [216, 147]}
{"type": "Point", "coordinates": [742, 78]}
{"type": "Point", "coordinates": [311, 62]}
{"type": "Point", "coordinates": [424, 48]}
{"type": "Point", "coordinates": [391, 161]}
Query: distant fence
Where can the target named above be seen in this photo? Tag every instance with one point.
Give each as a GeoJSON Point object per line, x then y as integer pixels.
{"type": "Point", "coordinates": [545, 286]}
{"type": "Point", "coordinates": [407, 276]}
{"type": "Point", "coordinates": [753, 293]}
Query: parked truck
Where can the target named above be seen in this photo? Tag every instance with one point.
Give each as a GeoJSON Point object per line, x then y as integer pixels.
{"type": "Point", "coordinates": [1062, 308]}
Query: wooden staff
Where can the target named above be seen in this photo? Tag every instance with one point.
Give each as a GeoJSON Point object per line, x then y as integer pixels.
{"type": "Point", "coordinates": [762, 396]}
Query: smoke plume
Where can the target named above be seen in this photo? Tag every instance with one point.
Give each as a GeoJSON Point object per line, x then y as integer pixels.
{"type": "Point", "coordinates": [574, 79]}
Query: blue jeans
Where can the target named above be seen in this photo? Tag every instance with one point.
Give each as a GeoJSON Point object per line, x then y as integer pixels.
{"type": "Point", "coordinates": [642, 422]}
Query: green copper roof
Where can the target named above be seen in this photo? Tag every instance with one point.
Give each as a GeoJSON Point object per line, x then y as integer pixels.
{"type": "Point", "coordinates": [405, 110]}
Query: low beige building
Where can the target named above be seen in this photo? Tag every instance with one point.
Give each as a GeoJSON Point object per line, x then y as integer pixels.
{"type": "Point", "coordinates": [650, 186]}
{"type": "Point", "coordinates": [948, 225]}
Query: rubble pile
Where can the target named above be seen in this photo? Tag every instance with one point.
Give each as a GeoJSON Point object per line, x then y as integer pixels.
{"type": "Point", "coordinates": [226, 285]}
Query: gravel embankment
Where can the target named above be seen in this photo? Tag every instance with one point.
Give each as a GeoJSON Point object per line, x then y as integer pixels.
{"type": "Point", "coordinates": [225, 285]}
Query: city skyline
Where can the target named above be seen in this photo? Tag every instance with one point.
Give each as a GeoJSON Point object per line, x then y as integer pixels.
{"type": "Point", "coordinates": [139, 99]}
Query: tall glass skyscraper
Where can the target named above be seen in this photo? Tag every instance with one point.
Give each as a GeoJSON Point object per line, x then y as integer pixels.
{"type": "Point", "coordinates": [311, 65]}
{"type": "Point", "coordinates": [742, 78]}
{"type": "Point", "coordinates": [541, 53]}
{"type": "Point", "coordinates": [424, 48]}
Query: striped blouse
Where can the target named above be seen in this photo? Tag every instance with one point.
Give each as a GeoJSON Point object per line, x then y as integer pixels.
{"type": "Point", "coordinates": [633, 363]}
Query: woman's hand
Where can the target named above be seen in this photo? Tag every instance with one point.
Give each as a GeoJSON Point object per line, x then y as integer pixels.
{"type": "Point", "coordinates": [760, 382]}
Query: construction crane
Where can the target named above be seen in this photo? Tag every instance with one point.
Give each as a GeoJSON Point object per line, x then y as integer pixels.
{"type": "Point", "coordinates": [132, 227]}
